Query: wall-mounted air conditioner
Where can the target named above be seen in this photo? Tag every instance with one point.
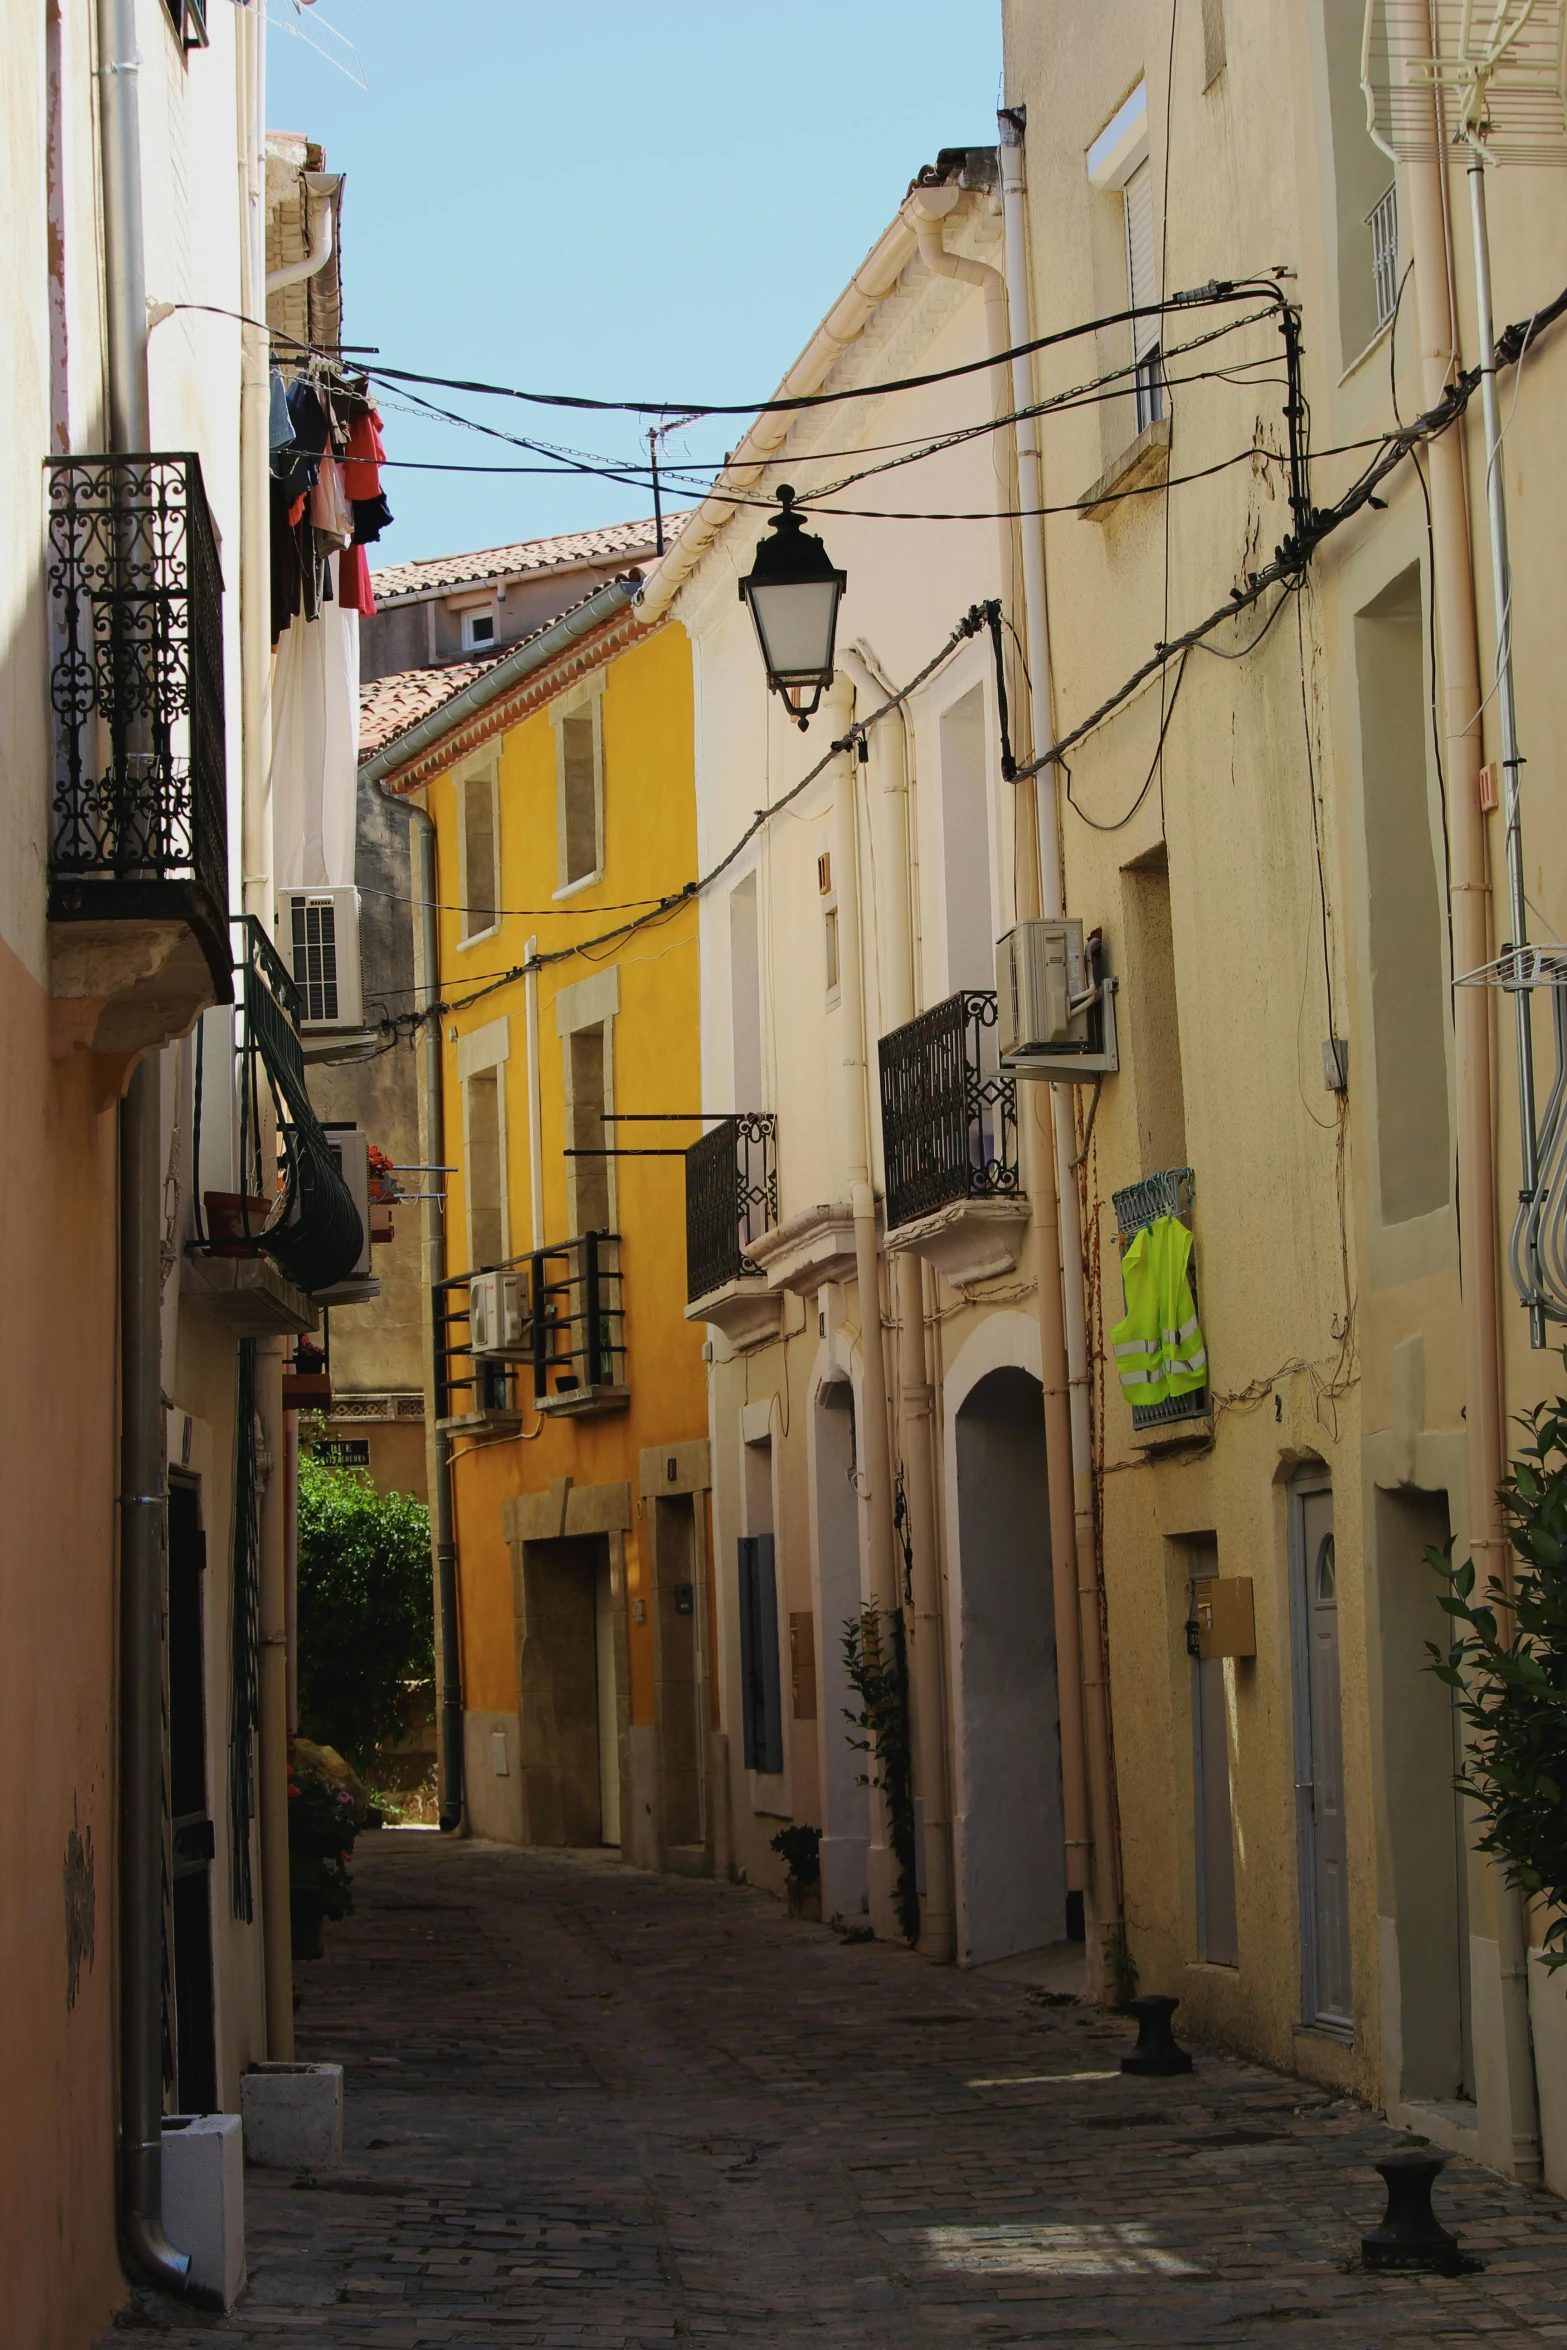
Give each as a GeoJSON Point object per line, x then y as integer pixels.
{"type": "Point", "coordinates": [318, 938]}
{"type": "Point", "coordinates": [350, 1147]}
{"type": "Point", "coordinates": [495, 1313]}
{"type": "Point", "coordinates": [1055, 1006]}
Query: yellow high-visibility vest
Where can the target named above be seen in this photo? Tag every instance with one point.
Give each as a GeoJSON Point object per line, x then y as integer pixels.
{"type": "Point", "coordinates": [1158, 1346]}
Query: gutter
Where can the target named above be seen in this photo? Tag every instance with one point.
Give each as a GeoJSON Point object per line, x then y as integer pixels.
{"type": "Point", "coordinates": [524, 661]}
{"type": "Point", "coordinates": [319, 252]}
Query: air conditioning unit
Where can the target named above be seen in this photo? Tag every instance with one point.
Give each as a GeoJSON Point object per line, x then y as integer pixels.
{"type": "Point", "coordinates": [318, 938]}
{"type": "Point", "coordinates": [495, 1313]}
{"type": "Point", "coordinates": [350, 1147]}
{"type": "Point", "coordinates": [1055, 1015]}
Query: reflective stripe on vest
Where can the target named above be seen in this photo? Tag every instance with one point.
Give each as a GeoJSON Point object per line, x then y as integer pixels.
{"type": "Point", "coordinates": [1158, 1345]}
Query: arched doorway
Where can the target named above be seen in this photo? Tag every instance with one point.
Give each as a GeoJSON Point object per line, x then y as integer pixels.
{"type": "Point", "coordinates": [1012, 1854]}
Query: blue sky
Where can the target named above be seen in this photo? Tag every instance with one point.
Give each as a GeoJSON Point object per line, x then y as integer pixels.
{"type": "Point", "coordinates": [639, 199]}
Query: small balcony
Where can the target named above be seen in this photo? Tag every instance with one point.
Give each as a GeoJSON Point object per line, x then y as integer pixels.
{"type": "Point", "coordinates": [731, 1200]}
{"type": "Point", "coordinates": [293, 1228]}
{"type": "Point", "coordinates": [555, 1316]}
{"type": "Point", "coordinates": [949, 1141]}
{"type": "Point", "coordinates": [138, 849]}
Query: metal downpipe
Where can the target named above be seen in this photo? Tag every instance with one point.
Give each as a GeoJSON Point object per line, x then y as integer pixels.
{"type": "Point", "coordinates": [142, 1497]}
{"type": "Point", "coordinates": [445, 1547]}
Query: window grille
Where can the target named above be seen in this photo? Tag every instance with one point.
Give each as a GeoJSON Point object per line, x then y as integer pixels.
{"type": "Point", "coordinates": [140, 826]}
{"type": "Point", "coordinates": [731, 1196]}
{"type": "Point", "coordinates": [1382, 220]}
{"type": "Point", "coordinates": [948, 1111]}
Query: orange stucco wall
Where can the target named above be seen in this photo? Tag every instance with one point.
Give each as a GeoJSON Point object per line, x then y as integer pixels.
{"type": "Point", "coordinates": [59, 2275]}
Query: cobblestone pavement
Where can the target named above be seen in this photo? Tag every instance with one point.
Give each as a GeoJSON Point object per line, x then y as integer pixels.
{"type": "Point", "coordinates": [586, 2106]}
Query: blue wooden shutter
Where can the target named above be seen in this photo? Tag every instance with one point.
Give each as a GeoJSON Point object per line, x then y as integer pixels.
{"type": "Point", "coordinates": [760, 1686]}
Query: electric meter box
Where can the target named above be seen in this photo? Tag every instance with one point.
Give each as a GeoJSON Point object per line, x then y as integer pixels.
{"type": "Point", "coordinates": [1223, 1619]}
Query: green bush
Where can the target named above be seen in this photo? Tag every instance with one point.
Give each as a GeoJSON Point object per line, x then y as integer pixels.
{"type": "Point", "coordinates": [800, 1848]}
{"type": "Point", "coordinates": [1509, 1668]}
{"type": "Point", "coordinates": [365, 1610]}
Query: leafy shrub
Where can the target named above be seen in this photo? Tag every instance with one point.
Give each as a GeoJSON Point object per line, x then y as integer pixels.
{"type": "Point", "coordinates": [876, 1660]}
{"type": "Point", "coordinates": [1510, 1671]}
{"type": "Point", "coordinates": [800, 1847]}
{"type": "Point", "coordinates": [365, 1608]}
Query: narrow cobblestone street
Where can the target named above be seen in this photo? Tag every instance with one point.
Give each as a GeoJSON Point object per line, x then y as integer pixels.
{"type": "Point", "coordinates": [588, 2106]}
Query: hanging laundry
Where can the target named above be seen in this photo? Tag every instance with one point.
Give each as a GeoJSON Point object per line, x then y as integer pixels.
{"type": "Point", "coordinates": [1158, 1346]}
{"type": "Point", "coordinates": [330, 512]}
{"type": "Point", "coordinates": [354, 591]}
{"type": "Point", "coordinates": [280, 428]}
{"type": "Point", "coordinates": [315, 746]}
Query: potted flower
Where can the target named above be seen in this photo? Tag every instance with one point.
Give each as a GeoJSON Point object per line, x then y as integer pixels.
{"type": "Point", "coordinates": [800, 1848]}
{"type": "Point", "coordinates": [322, 1825]}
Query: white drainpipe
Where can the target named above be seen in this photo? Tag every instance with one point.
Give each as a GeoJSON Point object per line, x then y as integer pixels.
{"type": "Point", "coordinates": [324, 186]}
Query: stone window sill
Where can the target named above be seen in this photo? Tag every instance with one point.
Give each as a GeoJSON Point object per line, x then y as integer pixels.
{"type": "Point", "coordinates": [1143, 465]}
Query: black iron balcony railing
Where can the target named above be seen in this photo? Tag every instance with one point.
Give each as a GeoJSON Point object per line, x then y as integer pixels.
{"type": "Point", "coordinates": [139, 827]}
{"type": "Point", "coordinates": [948, 1110]}
{"type": "Point", "coordinates": [561, 1318]}
{"type": "Point", "coordinates": [731, 1196]}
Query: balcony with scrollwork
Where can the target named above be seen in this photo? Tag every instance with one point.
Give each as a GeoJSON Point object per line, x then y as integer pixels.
{"type": "Point", "coordinates": [138, 845]}
{"type": "Point", "coordinates": [949, 1141]}
{"type": "Point", "coordinates": [731, 1201]}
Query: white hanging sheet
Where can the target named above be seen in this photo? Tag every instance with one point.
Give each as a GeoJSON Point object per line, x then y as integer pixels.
{"type": "Point", "coordinates": [315, 748]}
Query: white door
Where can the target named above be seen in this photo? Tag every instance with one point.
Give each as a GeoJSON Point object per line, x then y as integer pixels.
{"type": "Point", "coordinates": [1327, 1990]}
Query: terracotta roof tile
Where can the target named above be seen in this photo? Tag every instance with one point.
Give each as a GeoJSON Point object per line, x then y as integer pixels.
{"type": "Point", "coordinates": [617, 542]}
{"type": "Point", "coordinates": [389, 705]}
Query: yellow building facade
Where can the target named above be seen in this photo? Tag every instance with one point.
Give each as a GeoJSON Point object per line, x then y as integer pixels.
{"type": "Point", "coordinates": [569, 1392]}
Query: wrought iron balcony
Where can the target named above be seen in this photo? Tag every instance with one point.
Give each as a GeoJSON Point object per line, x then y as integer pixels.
{"type": "Point", "coordinates": [557, 1313]}
{"type": "Point", "coordinates": [731, 1197]}
{"type": "Point", "coordinates": [139, 806]}
{"type": "Point", "coordinates": [948, 1110]}
{"type": "Point", "coordinates": [293, 1206]}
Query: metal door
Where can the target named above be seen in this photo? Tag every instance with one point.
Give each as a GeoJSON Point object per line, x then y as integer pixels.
{"type": "Point", "coordinates": [1327, 1991]}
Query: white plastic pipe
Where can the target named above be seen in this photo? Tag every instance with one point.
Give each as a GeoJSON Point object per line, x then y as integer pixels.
{"type": "Point", "coordinates": [322, 184]}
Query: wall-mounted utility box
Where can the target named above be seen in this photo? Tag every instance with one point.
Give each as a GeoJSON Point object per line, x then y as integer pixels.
{"type": "Point", "coordinates": [318, 938]}
{"type": "Point", "coordinates": [204, 2202]}
{"type": "Point", "coordinates": [1055, 1008]}
{"type": "Point", "coordinates": [1223, 1620]}
{"type": "Point", "coordinates": [496, 1313]}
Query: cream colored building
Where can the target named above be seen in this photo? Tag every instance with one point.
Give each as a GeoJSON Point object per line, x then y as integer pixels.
{"type": "Point", "coordinates": [1295, 1863]}
{"type": "Point", "coordinates": [858, 921]}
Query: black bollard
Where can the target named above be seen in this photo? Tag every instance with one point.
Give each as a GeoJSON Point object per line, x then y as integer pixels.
{"type": "Point", "coordinates": [1156, 2052]}
{"type": "Point", "coordinates": [1411, 2236]}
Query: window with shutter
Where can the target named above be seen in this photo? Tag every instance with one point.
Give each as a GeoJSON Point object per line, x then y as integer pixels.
{"type": "Point", "coordinates": [479, 864]}
{"type": "Point", "coordinates": [760, 1688]}
{"type": "Point", "coordinates": [580, 786]}
{"type": "Point", "coordinates": [1142, 277]}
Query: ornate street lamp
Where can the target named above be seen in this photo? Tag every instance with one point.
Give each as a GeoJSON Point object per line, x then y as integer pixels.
{"type": "Point", "coordinates": [793, 593]}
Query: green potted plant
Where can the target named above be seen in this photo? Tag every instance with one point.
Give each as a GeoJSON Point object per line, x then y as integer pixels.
{"type": "Point", "coordinates": [321, 1831]}
{"type": "Point", "coordinates": [800, 1848]}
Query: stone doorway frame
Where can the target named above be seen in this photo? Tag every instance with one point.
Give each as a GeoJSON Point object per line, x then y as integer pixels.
{"type": "Point", "coordinates": [565, 1512]}
{"type": "Point", "coordinates": [668, 1472]}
